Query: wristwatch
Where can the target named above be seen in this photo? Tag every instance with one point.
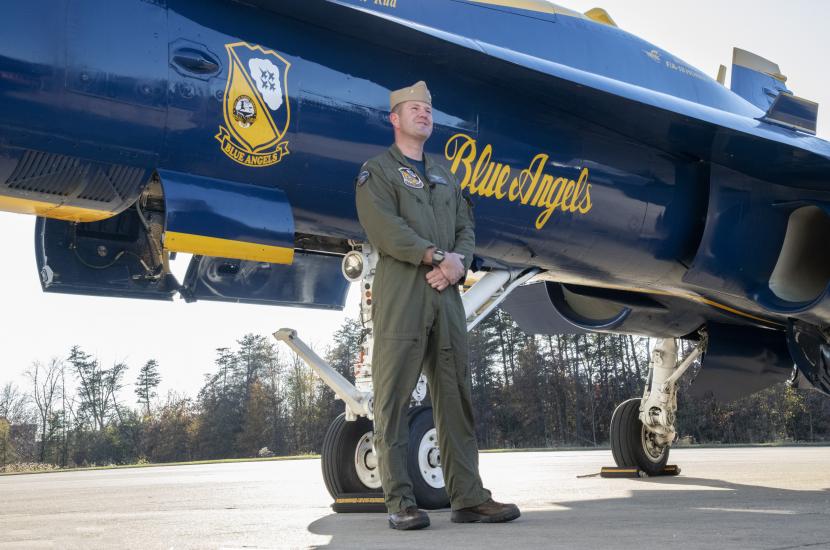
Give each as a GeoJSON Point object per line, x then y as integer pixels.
{"type": "Point", "coordinates": [437, 257]}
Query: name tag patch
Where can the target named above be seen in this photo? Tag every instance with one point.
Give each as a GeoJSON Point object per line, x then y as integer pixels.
{"type": "Point", "coordinates": [436, 177]}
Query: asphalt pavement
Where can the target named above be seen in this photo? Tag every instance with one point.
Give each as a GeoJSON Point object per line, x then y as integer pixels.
{"type": "Point", "coordinates": [746, 498]}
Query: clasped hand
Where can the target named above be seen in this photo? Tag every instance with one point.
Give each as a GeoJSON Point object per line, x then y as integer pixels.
{"type": "Point", "coordinates": [447, 273]}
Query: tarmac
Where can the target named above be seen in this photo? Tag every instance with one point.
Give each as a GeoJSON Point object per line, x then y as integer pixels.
{"type": "Point", "coordinates": [760, 498]}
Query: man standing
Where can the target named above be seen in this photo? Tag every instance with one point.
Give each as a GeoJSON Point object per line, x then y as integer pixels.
{"type": "Point", "coordinates": [413, 213]}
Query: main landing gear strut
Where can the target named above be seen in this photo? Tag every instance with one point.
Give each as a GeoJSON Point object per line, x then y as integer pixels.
{"type": "Point", "coordinates": [348, 458]}
{"type": "Point", "coordinates": [642, 430]}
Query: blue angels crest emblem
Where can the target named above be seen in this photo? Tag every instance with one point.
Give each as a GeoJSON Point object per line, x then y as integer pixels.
{"type": "Point", "coordinates": [255, 106]}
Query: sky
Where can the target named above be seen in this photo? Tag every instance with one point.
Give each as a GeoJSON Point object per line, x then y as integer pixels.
{"type": "Point", "coordinates": [183, 337]}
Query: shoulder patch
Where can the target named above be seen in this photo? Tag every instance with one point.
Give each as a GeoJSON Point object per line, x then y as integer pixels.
{"type": "Point", "coordinates": [362, 177]}
{"type": "Point", "coordinates": [410, 178]}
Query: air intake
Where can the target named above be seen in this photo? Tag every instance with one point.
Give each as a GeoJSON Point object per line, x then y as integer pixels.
{"type": "Point", "coordinates": [69, 188]}
{"type": "Point", "coordinates": [802, 272]}
{"type": "Point", "coordinates": [38, 172]}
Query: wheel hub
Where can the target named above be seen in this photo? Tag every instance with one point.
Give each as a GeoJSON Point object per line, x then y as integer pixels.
{"type": "Point", "coordinates": [654, 450]}
{"type": "Point", "coordinates": [366, 462]}
{"type": "Point", "coordinates": [429, 460]}
{"type": "Point", "coordinates": [434, 458]}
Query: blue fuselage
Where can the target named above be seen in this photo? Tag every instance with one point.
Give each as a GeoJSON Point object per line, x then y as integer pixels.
{"type": "Point", "coordinates": [145, 84]}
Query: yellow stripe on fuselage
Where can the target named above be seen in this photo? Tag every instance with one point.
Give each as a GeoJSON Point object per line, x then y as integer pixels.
{"type": "Point", "coordinates": [724, 307]}
{"type": "Point", "coordinates": [712, 303]}
{"type": "Point", "coordinates": [51, 210]}
{"type": "Point", "coordinates": [676, 294]}
{"type": "Point", "coordinates": [699, 299]}
{"type": "Point", "coordinates": [227, 248]}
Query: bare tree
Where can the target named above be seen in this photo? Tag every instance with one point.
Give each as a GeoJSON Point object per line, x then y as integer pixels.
{"type": "Point", "coordinates": [97, 387]}
{"type": "Point", "coordinates": [6, 448]}
{"type": "Point", "coordinates": [46, 385]}
{"type": "Point", "coordinates": [15, 405]}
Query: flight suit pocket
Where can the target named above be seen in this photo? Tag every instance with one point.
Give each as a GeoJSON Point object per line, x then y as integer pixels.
{"type": "Point", "coordinates": [396, 341]}
{"type": "Point", "coordinates": [412, 206]}
{"type": "Point", "coordinates": [411, 196]}
{"type": "Point", "coordinates": [401, 352]}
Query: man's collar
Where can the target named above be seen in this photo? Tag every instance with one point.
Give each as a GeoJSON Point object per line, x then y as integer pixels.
{"type": "Point", "coordinates": [403, 159]}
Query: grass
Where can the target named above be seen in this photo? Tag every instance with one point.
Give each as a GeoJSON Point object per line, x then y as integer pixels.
{"type": "Point", "coordinates": [488, 451]}
{"type": "Point", "coordinates": [159, 464]}
{"type": "Point", "coordinates": [606, 447]}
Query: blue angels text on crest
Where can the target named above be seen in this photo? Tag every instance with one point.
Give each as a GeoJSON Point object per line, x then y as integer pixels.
{"type": "Point", "coordinates": [255, 106]}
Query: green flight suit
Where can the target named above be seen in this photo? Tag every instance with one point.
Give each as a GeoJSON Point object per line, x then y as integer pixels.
{"type": "Point", "coordinates": [415, 326]}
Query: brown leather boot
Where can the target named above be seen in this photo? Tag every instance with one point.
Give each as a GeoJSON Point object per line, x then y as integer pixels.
{"type": "Point", "coordinates": [408, 519]}
{"type": "Point", "coordinates": [488, 511]}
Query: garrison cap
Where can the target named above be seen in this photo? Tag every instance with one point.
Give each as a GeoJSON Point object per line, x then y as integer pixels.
{"type": "Point", "coordinates": [416, 92]}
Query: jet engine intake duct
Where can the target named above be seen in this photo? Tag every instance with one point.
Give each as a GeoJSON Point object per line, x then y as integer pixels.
{"type": "Point", "coordinates": [800, 283]}
{"type": "Point", "coordinates": [762, 245]}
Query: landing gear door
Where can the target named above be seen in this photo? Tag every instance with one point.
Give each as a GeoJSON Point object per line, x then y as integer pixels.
{"type": "Point", "coordinates": [313, 280]}
{"type": "Point", "coordinates": [107, 258]}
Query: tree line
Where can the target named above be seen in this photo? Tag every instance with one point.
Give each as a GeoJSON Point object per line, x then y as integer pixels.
{"type": "Point", "coordinates": [260, 400]}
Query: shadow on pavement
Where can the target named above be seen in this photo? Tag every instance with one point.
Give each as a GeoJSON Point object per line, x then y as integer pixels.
{"type": "Point", "coordinates": [662, 513]}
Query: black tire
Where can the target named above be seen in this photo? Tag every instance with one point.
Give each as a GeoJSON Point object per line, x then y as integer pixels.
{"type": "Point", "coordinates": [629, 441]}
{"type": "Point", "coordinates": [337, 457]}
{"type": "Point", "coordinates": [421, 432]}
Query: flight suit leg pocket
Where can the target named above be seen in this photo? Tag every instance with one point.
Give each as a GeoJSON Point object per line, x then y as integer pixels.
{"type": "Point", "coordinates": [401, 357]}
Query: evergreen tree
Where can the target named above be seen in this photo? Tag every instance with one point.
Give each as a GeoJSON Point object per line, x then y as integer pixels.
{"type": "Point", "coordinates": [146, 383]}
{"type": "Point", "coordinates": [254, 434]}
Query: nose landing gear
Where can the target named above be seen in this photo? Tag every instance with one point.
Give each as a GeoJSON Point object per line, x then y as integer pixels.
{"type": "Point", "coordinates": [642, 430]}
{"type": "Point", "coordinates": [632, 444]}
{"type": "Point", "coordinates": [350, 464]}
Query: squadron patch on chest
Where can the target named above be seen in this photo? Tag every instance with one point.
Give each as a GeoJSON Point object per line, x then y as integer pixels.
{"type": "Point", "coordinates": [410, 178]}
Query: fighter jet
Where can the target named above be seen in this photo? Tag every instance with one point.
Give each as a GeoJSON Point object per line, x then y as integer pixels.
{"type": "Point", "coordinates": [616, 188]}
